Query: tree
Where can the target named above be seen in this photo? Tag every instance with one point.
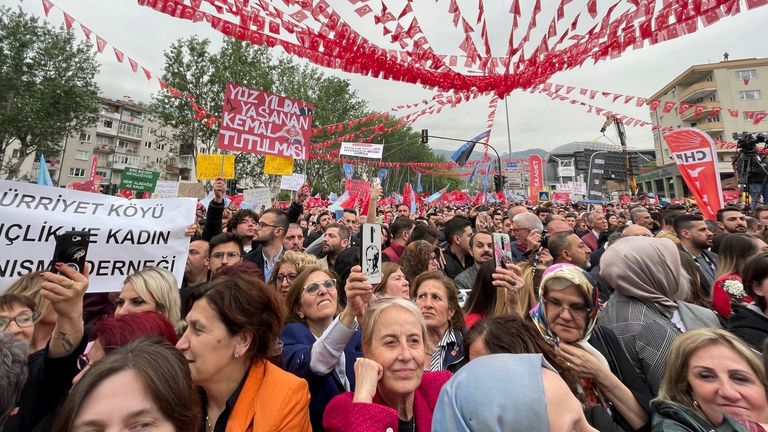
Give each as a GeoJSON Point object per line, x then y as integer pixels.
{"type": "Point", "coordinates": [47, 87]}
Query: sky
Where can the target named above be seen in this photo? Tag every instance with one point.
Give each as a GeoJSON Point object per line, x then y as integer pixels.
{"type": "Point", "coordinates": [534, 120]}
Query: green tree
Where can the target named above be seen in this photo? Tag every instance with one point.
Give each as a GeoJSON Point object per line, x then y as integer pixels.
{"type": "Point", "coordinates": [47, 87]}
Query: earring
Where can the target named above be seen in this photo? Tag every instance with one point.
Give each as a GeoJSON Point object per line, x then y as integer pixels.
{"type": "Point", "coordinates": [237, 355]}
{"type": "Point", "coordinates": [301, 316]}
{"type": "Point", "coordinates": [696, 405]}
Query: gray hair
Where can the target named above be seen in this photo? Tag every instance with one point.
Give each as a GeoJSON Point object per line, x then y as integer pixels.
{"type": "Point", "coordinates": [13, 373]}
{"type": "Point", "coordinates": [635, 212]}
{"type": "Point", "coordinates": [529, 220]}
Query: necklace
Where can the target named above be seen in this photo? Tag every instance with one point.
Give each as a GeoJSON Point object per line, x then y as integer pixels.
{"type": "Point", "coordinates": [208, 427]}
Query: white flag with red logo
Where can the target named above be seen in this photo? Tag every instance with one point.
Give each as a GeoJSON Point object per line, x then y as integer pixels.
{"type": "Point", "coordinates": [696, 158]}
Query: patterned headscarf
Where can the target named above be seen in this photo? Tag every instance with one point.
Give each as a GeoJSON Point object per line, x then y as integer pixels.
{"type": "Point", "coordinates": [583, 281]}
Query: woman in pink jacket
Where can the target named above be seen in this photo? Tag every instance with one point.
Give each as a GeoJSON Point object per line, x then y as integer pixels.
{"type": "Point", "coordinates": [393, 392]}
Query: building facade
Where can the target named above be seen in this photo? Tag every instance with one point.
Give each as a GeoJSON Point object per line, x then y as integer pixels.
{"type": "Point", "coordinates": [730, 92]}
{"type": "Point", "coordinates": [125, 135]}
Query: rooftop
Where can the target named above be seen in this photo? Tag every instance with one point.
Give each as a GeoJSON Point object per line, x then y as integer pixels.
{"type": "Point", "coordinates": [699, 72]}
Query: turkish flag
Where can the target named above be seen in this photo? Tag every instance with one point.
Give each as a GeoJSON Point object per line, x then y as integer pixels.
{"type": "Point", "coordinates": [698, 110]}
{"type": "Point", "coordinates": [68, 20]}
{"type": "Point", "coordinates": [100, 43]}
{"type": "Point", "coordinates": [592, 8]}
{"type": "Point", "coordinates": [752, 4]}
{"type": "Point", "coordinates": [118, 55]}
{"type": "Point", "coordinates": [134, 65]}
{"type": "Point", "coordinates": [363, 10]}
{"type": "Point", "coordinates": [669, 106]}
{"type": "Point", "coordinates": [47, 5]}
{"type": "Point", "coordinates": [696, 158]}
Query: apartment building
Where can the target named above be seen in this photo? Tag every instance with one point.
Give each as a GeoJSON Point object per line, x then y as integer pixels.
{"type": "Point", "coordinates": [730, 92]}
{"type": "Point", "coordinates": [125, 135]}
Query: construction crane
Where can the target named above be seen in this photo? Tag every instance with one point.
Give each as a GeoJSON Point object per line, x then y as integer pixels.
{"type": "Point", "coordinates": [631, 181]}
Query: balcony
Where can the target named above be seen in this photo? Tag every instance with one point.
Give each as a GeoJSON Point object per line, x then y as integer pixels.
{"type": "Point", "coordinates": [110, 114]}
{"type": "Point", "coordinates": [106, 165]}
{"type": "Point", "coordinates": [699, 90]}
{"type": "Point", "coordinates": [104, 148]}
{"type": "Point", "coordinates": [711, 127]}
{"type": "Point", "coordinates": [690, 114]}
{"type": "Point", "coordinates": [187, 162]}
{"type": "Point", "coordinates": [101, 129]}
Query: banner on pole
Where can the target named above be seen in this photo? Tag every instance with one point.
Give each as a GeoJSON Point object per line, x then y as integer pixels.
{"type": "Point", "coordinates": [211, 167]}
{"type": "Point", "coordinates": [278, 165]}
{"type": "Point", "coordinates": [536, 173]}
{"type": "Point", "coordinates": [254, 121]}
{"type": "Point", "coordinates": [139, 180]}
{"type": "Point", "coordinates": [595, 183]}
{"type": "Point", "coordinates": [166, 189]}
{"type": "Point", "coordinates": [364, 150]}
{"type": "Point", "coordinates": [126, 236]}
{"type": "Point", "coordinates": [696, 158]}
{"type": "Point", "coordinates": [292, 182]}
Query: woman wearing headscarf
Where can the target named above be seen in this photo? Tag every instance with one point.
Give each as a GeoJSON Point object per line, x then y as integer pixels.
{"type": "Point", "coordinates": [566, 316]}
{"type": "Point", "coordinates": [543, 403]}
{"type": "Point", "coordinates": [644, 311]}
{"type": "Point", "coordinates": [418, 257]}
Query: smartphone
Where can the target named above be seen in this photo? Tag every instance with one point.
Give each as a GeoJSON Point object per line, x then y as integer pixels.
{"type": "Point", "coordinates": [71, 249]}
{"type": "Point", "coordinates": [483, 208]}
{"type": "Point", "coordinates": [502, 249]}
{"type": "Point", "coordinates": [370, 252]}
{"type": "Point", "coordinates": [338, 214]}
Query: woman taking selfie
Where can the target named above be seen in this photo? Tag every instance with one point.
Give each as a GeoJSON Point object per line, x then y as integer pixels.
{"type": "Point", "coordinates": [393, 390]}
{"type": "Point", "coordinates": [712, 381]}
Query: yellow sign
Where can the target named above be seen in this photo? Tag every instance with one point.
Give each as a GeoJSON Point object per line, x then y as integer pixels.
{"type": "Point", "coordinates": [210, 167]}
{"type": "Point", "coordinates": [278, 165]}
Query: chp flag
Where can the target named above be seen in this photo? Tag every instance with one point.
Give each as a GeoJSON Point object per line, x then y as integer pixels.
{"type": "Point", "coordinates": [536, 173]}
{"type": "Point", "coordinates": [696, 158]}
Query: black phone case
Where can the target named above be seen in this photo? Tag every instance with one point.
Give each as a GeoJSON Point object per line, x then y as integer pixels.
{"type": "Point", "coordinates": [71, 249]}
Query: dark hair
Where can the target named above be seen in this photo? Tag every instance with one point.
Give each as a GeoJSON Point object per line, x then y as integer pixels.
{"type": "Point", "coordinates": [684, 222]}
{"type": "Point", "coordinates": [482, 299]}
{"type": "Point", "coordinates": [415, 259]}
{"type": "Point", "coordinates": [733, 251]}
{"type": "Point", "coordinates": [343, 230]}
{"type": "Point", "coordinates": [239, 216]}
{"type": "Point", "coordinates": [244, 303]}
{"type": "Point", "coordinates": [403, 204]}
{"type": "Point", "coordinates": [457, 321]}
{"type": "Point", "coordinates": [755, 271]}
{"type": "Point", "coordinates": [321, 214]}
{"type": "Point", "coordinates": [400, 225]}
{"type": "Point", "coordinates": [695, 294]}
{"type": "Point", "coordinates": [726, 209]}
{"type": "Point", "coordinates": [163, 373]}
{"type": "Point", "coordinates": [542, 209]}
{"type": "Point", "coordinates": [558, 242]}
{"type": "Point", "coordinates": [8, 301]}
{"type": "Point", "coordinates": [13, 373]}
{"type": "Point", "coordinates": [281, 218]}
{"type": "Point", "coordinates": [118, 330]}
{"type": "Point", "coordinates": [224, 238]}
{"type": "Point", "coordinates": [670, 215]}
{"type": "Point", "coordinates": [455, 227]}
{"type": "Point", "coordinates": [424, 232]}
{"type": "Point", "coordinates": [350, 210]}
{"type": "Point", "coordinates": [475, 234]}
{"type": "Point", "coordinates": [759, 209]}
{"type": "Point", "coordinates": [511, 334]}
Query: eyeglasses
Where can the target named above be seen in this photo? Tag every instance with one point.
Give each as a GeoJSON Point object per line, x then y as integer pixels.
{"type": "Point", "coordinates": [286, 277]}
{"type": "Point", "coordinates": [520, 229]}
{"type": "Point", "coordinates": [261, 225]}
{"type": "Point", "coordinates": [220, 255]}
{"type": "Point", "coordinates": [556, 306]}
{"type": "Point", "coordinates": [25, 319]}
{"type": "Point", "coordinates": [313, 288]}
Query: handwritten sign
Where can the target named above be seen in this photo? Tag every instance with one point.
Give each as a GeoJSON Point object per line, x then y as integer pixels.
{"type": "Point", "coordinates": [166, 189]}
{"type": "Point", "coordinates": [191, 190]}
{"type": "Point", "coordinates": [139, 180]}
{"type": "Point", "coordinates": [256, 198]}
{"type": "Point", "coordinates": [126, 236]}
{"type": "Point", "coordinates": [360, 187]}
{"type": "Point", "coordinates": [365, 150]}
{"type": "Point", "coordinates": [278, 165]}
{"type": "Point", "coordinates": [292, 182]}
{"type": "Point", "coordinates": [209, 167]}
{"type": "Point", "coordinates": [254, 121]}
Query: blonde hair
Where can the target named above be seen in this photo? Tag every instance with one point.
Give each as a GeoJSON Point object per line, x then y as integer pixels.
{"type": "Point", "coordinates": [674, 385]}
{"type": "Point", "coordinates": [160, 285]}
{"type": "Point", "coordinates": [378, 306]}
{"type": "Point", "coordinates": [29, 286]}
{"type": "Point", "coordinates": [526, 297]}
{"type": "Point", "coordinates": [299, 260]}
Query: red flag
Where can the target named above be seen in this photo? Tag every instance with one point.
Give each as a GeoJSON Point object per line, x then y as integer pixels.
{"type": "Point", "coordinates": [147, 73]}
{"type": "Point", "coordinates": [683, 107]}
{"type": "Point", "coordinates": [134, 65]}
{"type": "Point", "coordinates": [752, 4]}
{"type": "Point", "coordinates": [118, 55]}
{"type": "Point", "coordinates": [68, 21]}
{"type": "Point", "coordinates": [86, 31]}
{"type": "Point", "coordinates": [759, 116]}
{"type": "Point", "coordinates": [363, 10]}
{"type": "Point", "coordinates": [100, 43]}
{"type": "Point", "coordinates": [733, 112]}
{"type": "Point", "coordinates": [698, 109]}
{"type": "Point", "coordinates": [669, 106]}
{"type": "Point", "coordinates": [47, 5]}
{"type": "Point", "coordinates": [592, 8]}
{"type": "Point", "coordinates": [696, 158]}
{"type": "Point", "coordinates": [536, 176]}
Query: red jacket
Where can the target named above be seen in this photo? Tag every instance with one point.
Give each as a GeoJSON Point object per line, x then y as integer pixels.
{"type": "Point", "coordinates": [343, 415]}
{"type": "Point", "coordinates": [394, 252]}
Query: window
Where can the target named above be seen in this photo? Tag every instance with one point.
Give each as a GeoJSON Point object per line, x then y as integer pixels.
{"type": "Point", "coordinates": [102, 173]}
{"type": "Point", "coordinates": [147, 144]}
{"type": "Point", "coordinates": [126, 159]}
{"type": "Point", "coordinates": [104, 140]}
{"type": "Point", "coordinates": [160, 146]}
{"type": "Point", "coordinates": [159, 160]}
{"type": "Point", "coordinates": [152, 131]}
{"type": "Point", "coordinates": [749, 95]}
{"type": "Point", "coordinates": [85, 137]}
{"type": "Point", "coordinates": [131, 130]}
{"type": "Point", "coordinates": [82, 155]}
{"type": "Point", "coordinates": [713, 98]}
{"type": "Point", "coordinates": [145, 158]}
{"type": "Point", "coordinates": [15, 153]}
{"type": "Point", "coordinates": [77, 172]}
{"type": "Point", "coordinates": [107, 123]}
{"type": "Point", "coordinates": [715, 119]}
{"type": "Point", "coordinates": [746, 74]}
{"type": "Point", "coordinates": [123, 145]}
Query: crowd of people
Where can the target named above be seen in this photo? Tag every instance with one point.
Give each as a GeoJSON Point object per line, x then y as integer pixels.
{"type": "Point", "coordinates": [621, 317]}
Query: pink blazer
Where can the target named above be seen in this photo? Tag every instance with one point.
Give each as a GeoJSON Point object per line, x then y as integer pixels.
{"type": "Point", "coordinates": [343, 415]}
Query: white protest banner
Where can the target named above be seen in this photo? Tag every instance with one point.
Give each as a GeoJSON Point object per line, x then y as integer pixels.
{"type": "Point", "coordinates": [580, 188]}
{"type": "Point", "coordinates": [255, 198]}
{"type": "Point", "coordinates": [126, 236]}
{"type": "Point", "coordinates": [166, 189]}
{"type": "Point", "coordinates": [292, 182]}
{"type": "Point", "coordinates": [365, 150]}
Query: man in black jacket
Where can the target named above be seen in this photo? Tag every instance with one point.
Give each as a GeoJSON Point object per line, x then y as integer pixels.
{"type": "Point", "coordinates": [695, 240]}
{"type": "Point", "coordinates": [458, 255]}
